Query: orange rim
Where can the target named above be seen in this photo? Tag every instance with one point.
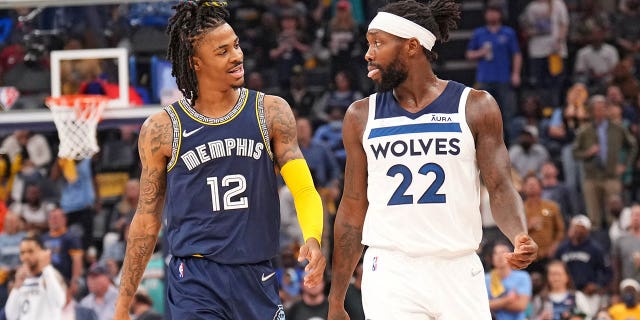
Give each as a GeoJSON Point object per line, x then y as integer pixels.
{"type": "Point", "coordinates": [81, 100]}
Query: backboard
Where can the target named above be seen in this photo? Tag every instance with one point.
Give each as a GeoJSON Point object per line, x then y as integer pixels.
{"type": "Point", "coordinates": [72, 68]}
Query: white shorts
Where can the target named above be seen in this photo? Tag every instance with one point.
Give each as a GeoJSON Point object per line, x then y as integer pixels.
{"type": "Point", "coordinates": [396, 286]}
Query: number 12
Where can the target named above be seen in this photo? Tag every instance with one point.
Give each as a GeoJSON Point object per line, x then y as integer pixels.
{"type": "Point", "coordinates": [229, 204]}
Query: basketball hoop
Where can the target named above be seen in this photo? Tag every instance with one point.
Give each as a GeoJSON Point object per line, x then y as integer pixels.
{"type": "Point", "coordinates": [76, 118]}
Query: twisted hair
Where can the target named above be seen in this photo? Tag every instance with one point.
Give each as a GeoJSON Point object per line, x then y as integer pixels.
{"type": "Point", "coordinates": [193, 19]}
{"type": "Point", "coordinates": [437, 16]}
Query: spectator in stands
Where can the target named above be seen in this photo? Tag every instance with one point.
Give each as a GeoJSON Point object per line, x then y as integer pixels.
{"type": "Point", "coordinates": [561, 132]}
{"type": "Point", "coordinates": [141, 307]}
{"type": "Point", "coordinates": [33, 148]}
{"type": "Point", "coordinates": [10, 240]}
{"type": "Point", "coordinates": [500, 62]}
{"type": "Point", "coordinates": [66, 251]}
{"type": "Point", "coordinates": [291, 47]}
{"type": "Point", "coordinates": [33, 210]}
{"type": "Point", "coordinates": [123, 210]}
{"type": "Point", "coordinates": [509, 290]}
{"type": "Point", "coordinates": [556, 191]}
{"type": "Point", "coordinates": [623, 77]}
{"type": "Point", "coordinates": [341, 95]}
{"type": "Point", "coordinates": [599, 144]}
{"type": "Point", "coordinates": [627, 31]}
{"type": "Point", "coordinates": [544, 220]}
{"type": "Point", "coordinates": [589, 18]}
{"type": "Point", "coordinates": [31, 152]}
{"type": "Point", "coordinates": [559, 299]}
{"type": "Point", "coordinates": [342, 38]}
{"type": "Point", "coordinates": [299, 97]}
{"type": "Point", "coordinates": [72, 310]}
{"type": "Point", "coordinates": [289, 274]}
{"type": "Point", "coordinates": [546, 24]}
{"type": "Point", "coordinates": [8, 171]}
{"type": "Point", "coordinates": [38, 291]}
{"type": "Point", "coordinates": [588, 264]}
{"type": "Point", "coordinates": [102, 293]}
{"type": "Point", "coordinates": [313, 305]}
{"type": "Point", "coordinates": [530, 114]}
{"type": "Point", "coordinates": [615, 96]}
{"type": "Point", "coordinates": [619, 222]}
{"type": "Point", "coordinates": [528, 155]}
{"type": "Point", "coordinates": [595, 62]}
{"type": "Point", "coordinates": [78, 197]}
{"type": "Point", "coordinates": [321, 160]}
{"type": "Point", "coordinates": [628, 308]}
{"type": "Point", "coordinates": [626, 251]}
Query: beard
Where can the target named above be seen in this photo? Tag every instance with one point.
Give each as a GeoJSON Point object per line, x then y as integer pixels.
{"type": "Point", "coordinates": [392, 76]}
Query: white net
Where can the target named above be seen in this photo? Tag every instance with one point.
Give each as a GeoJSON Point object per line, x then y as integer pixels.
{"type": "Point", "coordinates": [76, 119]}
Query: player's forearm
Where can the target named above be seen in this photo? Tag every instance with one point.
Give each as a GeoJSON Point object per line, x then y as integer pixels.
{"type": "Point", "coordinates": [508, 211]}
{"type": "Point", "coordinates": [346, 253]}
{"type": "Point", "coordinates": [143, 235]}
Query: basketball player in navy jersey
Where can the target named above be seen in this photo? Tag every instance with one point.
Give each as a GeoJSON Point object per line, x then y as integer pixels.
{"type": "Point", "coordinates": [208, 162]}
{"type": "Point", "coordinates": [415, 153]}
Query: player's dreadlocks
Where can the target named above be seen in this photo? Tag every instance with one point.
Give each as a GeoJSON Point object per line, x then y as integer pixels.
{"type": "Point", "coordinates": [437, 16]}
{"type": "Point", "coordinates": [193, 18]}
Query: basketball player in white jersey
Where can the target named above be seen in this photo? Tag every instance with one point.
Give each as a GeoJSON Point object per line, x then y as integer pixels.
{"type": "Point", "coordinates": [415, 153]}
{"type": "Point", "coordinates": [39, 291]}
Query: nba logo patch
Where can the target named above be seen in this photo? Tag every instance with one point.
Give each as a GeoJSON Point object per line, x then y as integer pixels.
{"type": "Point", "coordinates": [181, 269]}
{"type": "Point", "coordinates": [374, 266]}
{"type": "Point", "coordinates": [279, 313]}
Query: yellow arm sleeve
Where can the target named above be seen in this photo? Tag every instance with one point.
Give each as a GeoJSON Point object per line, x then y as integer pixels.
{"type": "Point", "coordinates": [308, 204]}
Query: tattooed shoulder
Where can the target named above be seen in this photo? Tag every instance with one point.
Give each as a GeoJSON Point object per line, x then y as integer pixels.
{"type": "Point", "coordinates": [280, 120]}
{"type": "Point", "coordinates": [156, 135]}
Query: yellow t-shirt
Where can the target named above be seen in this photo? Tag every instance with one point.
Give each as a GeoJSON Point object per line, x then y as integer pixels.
{"type": "Point", "coordinates": [620, 312]}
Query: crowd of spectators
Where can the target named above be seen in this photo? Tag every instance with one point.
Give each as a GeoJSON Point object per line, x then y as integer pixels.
{"type": "Point", "coordinates": [565, 74]}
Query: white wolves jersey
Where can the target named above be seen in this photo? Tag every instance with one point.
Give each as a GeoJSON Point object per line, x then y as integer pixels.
{"type": "Point", "coordinates": [39, 297]}
{"type": "Point", "coordinates": [423, 178]}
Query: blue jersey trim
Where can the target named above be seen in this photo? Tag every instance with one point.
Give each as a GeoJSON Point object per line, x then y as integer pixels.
{"type": "Point", "coordinates": [414, 128]}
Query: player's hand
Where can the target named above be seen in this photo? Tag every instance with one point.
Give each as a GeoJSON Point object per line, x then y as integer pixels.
{"type": "Point", "coordinates": [315, 268]}
{"type": "Point", "coordinates": [525, 251]}
{"type": "Point", "coordinates": [337, 312]}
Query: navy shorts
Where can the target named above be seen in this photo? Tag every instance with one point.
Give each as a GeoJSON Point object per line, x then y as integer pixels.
{"type": "Point", "coordinates": [202, 289]}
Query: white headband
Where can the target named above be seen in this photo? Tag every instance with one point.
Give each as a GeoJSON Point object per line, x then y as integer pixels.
{"type": "Point", "coordinates": [403, 28]}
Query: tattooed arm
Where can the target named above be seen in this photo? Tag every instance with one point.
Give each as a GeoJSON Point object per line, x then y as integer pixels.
{"type": "Point", "coordinates": [283, 133]}
{"type": "Point", "coordinates": [347, 235]}
{"type": "Point", "coordinates": [483, 116]}
{"type": "Point", "coordinates": [154, 146]}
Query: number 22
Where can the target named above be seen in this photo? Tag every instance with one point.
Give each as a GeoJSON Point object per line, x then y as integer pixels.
{"type": "Point", "coordinates": [431, 195]}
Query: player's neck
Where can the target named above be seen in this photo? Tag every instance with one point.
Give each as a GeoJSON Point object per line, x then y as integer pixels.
{"type": "Point", "coordinates": [419, 89]}
{"type": "Point", "coordinates": [215, 104]}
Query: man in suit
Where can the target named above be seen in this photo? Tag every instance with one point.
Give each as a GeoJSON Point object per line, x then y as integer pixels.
{"type": "Point", "coordinates": [599, 144]}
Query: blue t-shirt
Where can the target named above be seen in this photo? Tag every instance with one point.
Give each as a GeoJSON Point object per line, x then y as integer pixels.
{"type": "Point", "coordinates": [80, 194]}
{"type": "Point", "coordinates": [10, 249]}
{"type": "Point", "coordinates": [62, 247]}
{"type": "Point", "coordinates": [518, 281]}
{"type": "Point", "coordinates": [504, 44]}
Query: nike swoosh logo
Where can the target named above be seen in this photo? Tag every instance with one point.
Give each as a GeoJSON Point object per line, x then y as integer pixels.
{"type": "Point", "coordinates": [186, 133]}
{"type": "Point", "coordinates": [475, 272]}
{"type": "Point", "coordinates": [267, 277]}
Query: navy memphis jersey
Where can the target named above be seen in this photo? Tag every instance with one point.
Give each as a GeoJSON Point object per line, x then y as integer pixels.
{"type": "Point", "coordinates": [221, 199]}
